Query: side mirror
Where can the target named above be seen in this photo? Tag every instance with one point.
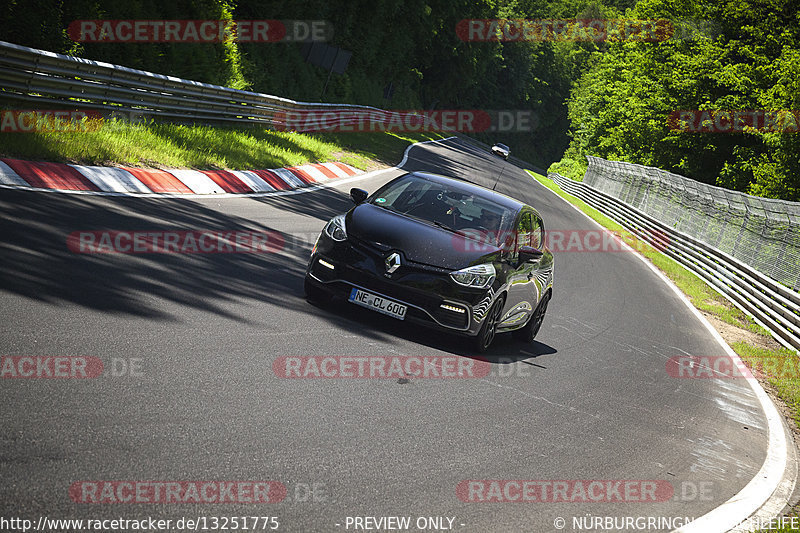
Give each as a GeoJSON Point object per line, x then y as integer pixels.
{"type": "Point", "coordinates": [529, 254]}
{"type": "Point", "coordinates": [358, 195]}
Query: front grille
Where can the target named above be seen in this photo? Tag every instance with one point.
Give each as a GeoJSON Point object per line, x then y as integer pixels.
{"type": "Point", "coordinates": [418, 285]}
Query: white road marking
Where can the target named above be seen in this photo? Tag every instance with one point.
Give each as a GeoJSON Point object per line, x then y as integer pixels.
{"type": "Point", "coordinates": [770, 478]}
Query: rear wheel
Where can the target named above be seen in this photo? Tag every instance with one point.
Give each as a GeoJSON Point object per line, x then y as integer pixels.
{"type": "Point", "coordinates": [531, 329]}
{"type": "Point", "coordinates": [488, 330]}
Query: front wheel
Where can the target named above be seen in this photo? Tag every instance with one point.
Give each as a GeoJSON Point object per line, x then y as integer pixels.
{"type": "Point", "coordinates": [488, 330]}
{"type": "Point", "coordinates": [528, 332]}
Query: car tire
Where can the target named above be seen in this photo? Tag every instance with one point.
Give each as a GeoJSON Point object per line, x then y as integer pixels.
{"type": "Point", "coordinates": [314, 293]}
{"type": "Point", "coordinates": [488, 330]}
{"type": "Point", "coordinates": [529, 331]}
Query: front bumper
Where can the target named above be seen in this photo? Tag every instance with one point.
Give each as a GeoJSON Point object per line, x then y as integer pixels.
{"type": "Point", "coordinates": [432, 298]}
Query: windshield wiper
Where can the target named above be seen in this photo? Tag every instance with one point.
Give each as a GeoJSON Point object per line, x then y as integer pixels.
{"type": "Point", "coordinates": [444, 226]}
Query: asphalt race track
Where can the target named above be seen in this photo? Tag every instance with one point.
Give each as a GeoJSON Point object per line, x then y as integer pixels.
{"type": "Point", "coordinates": [189, 391]}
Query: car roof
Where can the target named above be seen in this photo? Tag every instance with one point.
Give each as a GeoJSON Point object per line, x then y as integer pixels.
{"type": "Point", "coordinates": [472, 188]}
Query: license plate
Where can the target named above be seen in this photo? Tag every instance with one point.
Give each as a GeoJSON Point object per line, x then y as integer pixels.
{"type": "Point", "coordinates": [378, 303]}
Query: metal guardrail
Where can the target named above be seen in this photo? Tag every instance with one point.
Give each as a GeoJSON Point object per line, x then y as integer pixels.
{"type": "Point", "coordinates": [45, 78]}
{"type": "Point", "coordinates": [771, 304]}
{"type": "Point", "coordinates": [760, 232]}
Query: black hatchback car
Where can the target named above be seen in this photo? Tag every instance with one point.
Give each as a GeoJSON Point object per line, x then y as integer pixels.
{"type": "Point", "coordinates": [440, 252]}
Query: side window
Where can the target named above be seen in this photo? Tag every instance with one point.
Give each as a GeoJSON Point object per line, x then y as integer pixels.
{"type": "Point", "coordinates": [537, 234]}
{"type": "Point", "coordinates": [524, 231]}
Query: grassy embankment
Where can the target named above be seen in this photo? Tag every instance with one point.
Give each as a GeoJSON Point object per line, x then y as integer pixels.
{"type": "Point", "coordinates": [205, 147]}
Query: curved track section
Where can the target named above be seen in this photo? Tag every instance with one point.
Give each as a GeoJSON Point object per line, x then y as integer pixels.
{"type": "Point", "coordinates": [190, 391]}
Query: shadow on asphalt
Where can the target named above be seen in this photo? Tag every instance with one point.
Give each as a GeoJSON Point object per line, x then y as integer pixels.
{"type": "Point", "coordinates": [504, 349]}
{"type": "Point", "coordinates": [323, 204]}
{"type": "Point", "coordinates": [36, 262]}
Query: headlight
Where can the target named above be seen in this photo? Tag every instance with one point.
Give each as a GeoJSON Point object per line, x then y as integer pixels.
{"type": "Point", "coordinates": [335, 229]}
{"type": "Point", "coordinates": [478, 276]}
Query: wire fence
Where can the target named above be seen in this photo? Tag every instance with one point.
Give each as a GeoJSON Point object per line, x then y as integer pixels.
{"type": "Point", "coordinates": [760, 232]}
{"type": "Point", "coordinates": [771, 304]}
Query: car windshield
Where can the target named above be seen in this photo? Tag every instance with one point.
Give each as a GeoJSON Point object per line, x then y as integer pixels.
{"type": "Point", "coordinates": [459, 210]}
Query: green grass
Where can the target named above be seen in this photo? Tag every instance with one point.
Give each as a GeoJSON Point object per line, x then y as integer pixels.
{"type": "Point", "coordinates": [780, 367]}
{"type": "Point", "coordinates": [570, 168]}
{"type": "Point", "coordinates": [781, 370]}
{"type": "Point", "coordinates": [204, 147]}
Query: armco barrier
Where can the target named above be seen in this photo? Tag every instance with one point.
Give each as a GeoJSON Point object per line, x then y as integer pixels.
{"type": "Point", "coordinates": [771, 304]}
{"type": "Point", "coordinates": [760, 232]}
{"type": "Point", "coordinates": [45, 78]}
{"type": "Point", "coordinates": [42, 79]}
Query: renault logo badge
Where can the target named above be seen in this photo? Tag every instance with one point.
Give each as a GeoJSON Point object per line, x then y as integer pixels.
{"type": "Point", "coordinates": [392, 262]}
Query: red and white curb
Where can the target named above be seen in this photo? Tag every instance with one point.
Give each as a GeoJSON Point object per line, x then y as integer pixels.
{"type": "Point", "coordinates": [17, 173]}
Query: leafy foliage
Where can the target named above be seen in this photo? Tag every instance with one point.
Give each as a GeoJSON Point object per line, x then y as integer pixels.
{"type": "Point", "coordinates": [748, 61]}
{"type": "Point", "coordinates": [611, 98]}
{"type": "Point", "coordinates": [410, 44]}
